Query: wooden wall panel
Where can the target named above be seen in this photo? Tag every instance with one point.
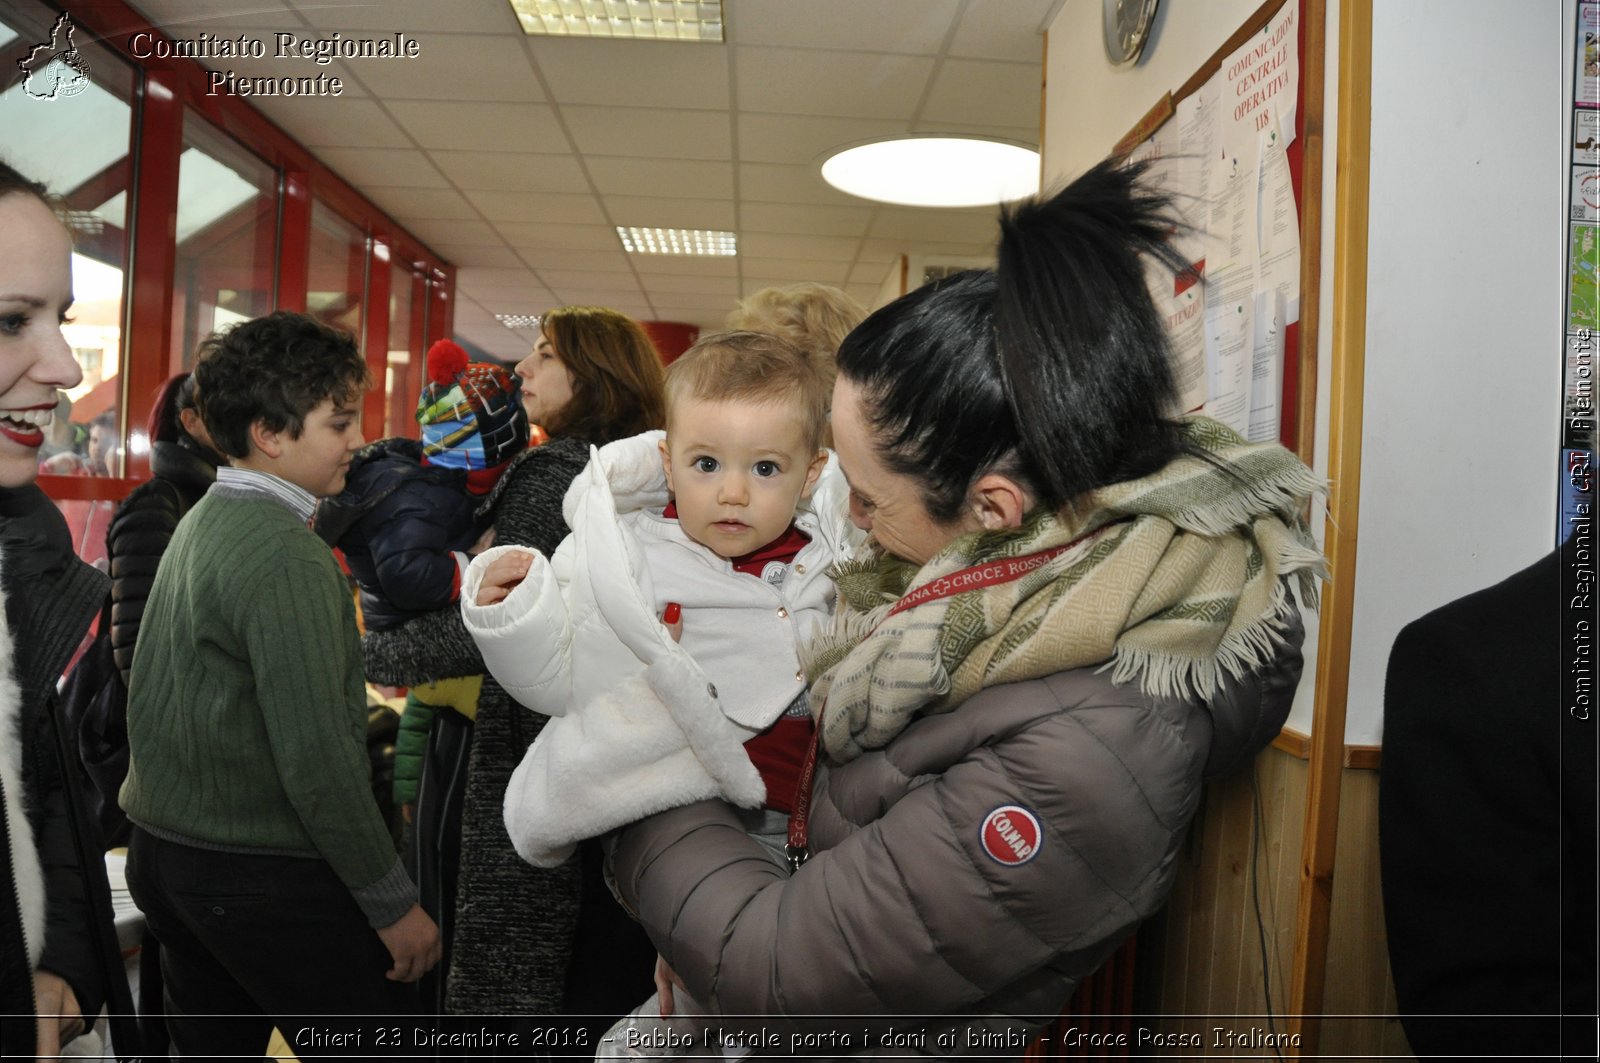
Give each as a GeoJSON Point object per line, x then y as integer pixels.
{"type": "Point", "coordinates": [1206, 947]}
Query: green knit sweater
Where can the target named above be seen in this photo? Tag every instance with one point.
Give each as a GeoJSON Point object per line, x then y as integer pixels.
{"type": "Point", "coordinates": [247, 711]}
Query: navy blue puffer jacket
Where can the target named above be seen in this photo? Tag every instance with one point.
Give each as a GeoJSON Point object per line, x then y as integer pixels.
{"type": "Point", "coordinates": [397, 520]}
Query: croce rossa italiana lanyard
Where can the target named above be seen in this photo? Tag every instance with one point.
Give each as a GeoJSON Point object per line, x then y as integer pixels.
{"type": "Point", "coordinates": [975, 577]}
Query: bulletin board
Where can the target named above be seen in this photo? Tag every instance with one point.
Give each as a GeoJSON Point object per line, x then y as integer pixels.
{"type": "Point", "coordinates": [1240, 147]}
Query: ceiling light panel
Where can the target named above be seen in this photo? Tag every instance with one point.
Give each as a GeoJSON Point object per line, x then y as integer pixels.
{"type": "Point", "coordinates": [717, 242]}
{"type": "Point", "coordinates": [935, 171]}
{"type": "Point", "coordinates": [654, 20]}
{"type": "Point", "coordinates": [518, 320]}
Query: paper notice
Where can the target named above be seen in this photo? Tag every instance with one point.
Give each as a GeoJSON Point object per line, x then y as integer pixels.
{"type": "Point", "coordinates": [1228, 332]}
{"type": "Point", "coordinates": [1277, 225]}
{"type": "Point", "coordinates": [1266, 367]}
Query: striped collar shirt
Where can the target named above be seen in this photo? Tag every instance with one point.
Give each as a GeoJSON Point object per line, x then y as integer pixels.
{"type": "Point", "coordinates": [300, 501]}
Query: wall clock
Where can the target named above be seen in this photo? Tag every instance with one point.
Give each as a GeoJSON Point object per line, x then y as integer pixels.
{"type": "Point", "coordinates": [1127, 28]}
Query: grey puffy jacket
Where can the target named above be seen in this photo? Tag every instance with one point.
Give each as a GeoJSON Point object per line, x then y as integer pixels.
{"type": "Point", "coordinates": [903, 911]}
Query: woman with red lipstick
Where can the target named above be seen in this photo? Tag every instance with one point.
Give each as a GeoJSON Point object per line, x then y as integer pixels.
{"type": "Point", "coordinates": [523, 939]}
{"type": "Point", "coordinates": [54, 935]}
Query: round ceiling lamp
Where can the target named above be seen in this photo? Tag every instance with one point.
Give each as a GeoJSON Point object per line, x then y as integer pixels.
{"type": "Point", "coordinates": [935, 171]}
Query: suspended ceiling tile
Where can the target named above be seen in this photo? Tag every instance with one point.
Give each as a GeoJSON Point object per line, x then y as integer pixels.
{"type": "Point", "coordinates": [866, 294]}
{"type": "Point", "coordinates": [593, 280]}
{"type": "Point", "coordinates": [856, 85]}
{"type": "Point", "coordinates": [383, 167]}
{"type": "Point", "coordinates": [411, 16]}
{"type": "Point", "coordinates": [352, 124]}
{"type": "Point", "coordinates": [507, 171]}
{"type": "Point", "coordinates": [454, 66]}
{"type": "Point", "coordinates": [899, 26]}
{"type": "Point", "coordinates": [764, 182]}
{"type": "Point", "coordinates": [177, 18]}
{"type": "Point", "coordinates": [815, 220]}
{"type": "Point", "coordinates": [475, 278]}
{"type": "Point", "coordinates": [687, 265]}
{"type": "Point", "coordinates": [625, 73]}
{"type": "Point", "coordinates": [802, 141]}
{"type": "Point", "coordinates": [706, 312]}
{"type": "Point", "coordinates": [535, 207]}
{"type": "Point", "coordinates": [480, 126]}
{"type": "Point", "coordinates": [870, 272]}
{"type": "Point", "coordinates": [552, 258]}
{"type": "Point", "coordinates": [634, 131]}
{"type": "Point", "coordinates": [788, 270]}
{"type": "Point", "coordinates": [950, 226]}
{"type": "Point", "coordinates": [944, 248]}
{"type": "Point", "coordinates": [597, 296]}
{"type": "Point", "coordinates": [676, 282]}
{"type": "Point", "coordinates": [1003, 29]}
{"type": "Point", "coordinates": [467, 233]}
{"type": "Point", "coordinates": [466, 254]}
{"type": "Point", "coordinates": [782, 245]}
{"type": "Point", "coordinates": [616, 175]}
{"type": "Point", "coordinates": [659, 213]}
{"type": "Point", "coordinates": [1025, 135]}
{"type": "Point", "coordinates": [424, 204]}
{"type": "Point", "coordinates": [984, 94]}
{"type": "Point", "coordinates": [526, 236]}
{"type": "Point", "coordinates": [498, 302]}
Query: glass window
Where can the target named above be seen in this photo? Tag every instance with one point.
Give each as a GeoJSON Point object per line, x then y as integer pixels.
{"type": "Point", "coordinates": [227, 232]}
{"type": "Point", "coordinates": [336, 292]}
{"type": "Point", "coordinates": [68, 123]}
{"type": "Point", "coordinates": [404, 371]}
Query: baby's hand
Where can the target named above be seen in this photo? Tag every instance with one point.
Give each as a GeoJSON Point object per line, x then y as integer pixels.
{"type": "Point", "coordinates": [672, 616]}
{"type": "Point", "coordinates": [503, 575]}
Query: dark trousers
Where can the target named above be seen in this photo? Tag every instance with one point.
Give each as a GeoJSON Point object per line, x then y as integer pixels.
{"type": "Point", "coordinates": [251, 942]}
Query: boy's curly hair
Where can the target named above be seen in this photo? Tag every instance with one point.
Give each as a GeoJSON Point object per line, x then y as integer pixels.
{"type": "Point", "coordinates": [274, 369]}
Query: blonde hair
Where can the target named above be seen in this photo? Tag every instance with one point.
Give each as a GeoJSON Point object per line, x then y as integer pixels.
{"type": "Point", "coordinates": [616, 374]}
{"type": "Point", "coordinates": [814, 317]}
{"type": "Point", "coordinates": [755, 367]}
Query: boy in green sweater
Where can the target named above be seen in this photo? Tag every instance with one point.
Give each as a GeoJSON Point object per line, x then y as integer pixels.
{"type": "Point", "coordinates": [259, 856]}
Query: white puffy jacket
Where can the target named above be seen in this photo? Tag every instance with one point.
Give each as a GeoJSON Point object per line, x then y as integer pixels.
{"type": "Point", "coordinates": [642, 723]}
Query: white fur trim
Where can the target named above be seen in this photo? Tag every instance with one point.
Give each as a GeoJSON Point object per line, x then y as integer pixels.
{"type": "Point", "coordinates": [25, 872]}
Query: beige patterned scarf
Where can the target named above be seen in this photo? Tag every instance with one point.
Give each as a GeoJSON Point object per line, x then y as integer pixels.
{"type": "Point", "coordinates": [1176, 579]}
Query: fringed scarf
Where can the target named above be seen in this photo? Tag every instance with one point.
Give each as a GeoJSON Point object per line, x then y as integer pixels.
{"type": "Point", "coordinates": [1176, 580]}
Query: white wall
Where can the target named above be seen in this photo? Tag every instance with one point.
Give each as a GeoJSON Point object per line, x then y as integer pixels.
{"type": "Point", "coordinates": [1468, 186]}
{"type": "Point", "coordinates": [1464, 327]}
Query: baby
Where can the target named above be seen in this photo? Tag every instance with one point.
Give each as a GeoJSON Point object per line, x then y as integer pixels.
{"type": "Point", "coordinates": [663, 635]}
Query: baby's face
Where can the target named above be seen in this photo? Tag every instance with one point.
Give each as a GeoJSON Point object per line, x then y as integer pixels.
{"type": "Point", "coordinates": [737, 471]}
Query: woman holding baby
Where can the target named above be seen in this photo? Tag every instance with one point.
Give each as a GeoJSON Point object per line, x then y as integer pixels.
{"type": "Point", "coordinates": [1074, 607]}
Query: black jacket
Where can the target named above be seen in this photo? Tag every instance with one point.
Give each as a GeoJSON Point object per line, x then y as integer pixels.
{"type": "Point", "coordinates": [397, 521]}
{"type": "Point", "coordinates": [139, 534]}
{"type": "Point", "coordinates": [50, 599]}
{"type": "Point", "coordinates": [1487, 828]}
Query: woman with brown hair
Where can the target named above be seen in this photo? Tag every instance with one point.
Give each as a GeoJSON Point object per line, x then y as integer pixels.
{"type": "Point", "coordinates": [511, 930]}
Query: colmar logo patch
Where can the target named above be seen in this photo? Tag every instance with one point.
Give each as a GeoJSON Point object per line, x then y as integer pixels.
{"type": "Point", "coordinates": [1011, 835]}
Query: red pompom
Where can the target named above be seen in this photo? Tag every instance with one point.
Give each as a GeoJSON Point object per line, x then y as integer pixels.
{"type": "Point", "coordinates": [446, 360]}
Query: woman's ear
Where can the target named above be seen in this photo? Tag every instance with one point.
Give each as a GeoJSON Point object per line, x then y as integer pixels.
{"type": "Point", "coordinates": [998, 502]}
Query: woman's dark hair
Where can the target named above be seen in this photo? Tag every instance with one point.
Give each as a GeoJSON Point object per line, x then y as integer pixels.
{"type": "Point", "coordinates": [1053, 368]}
{"type": "Point", "coordinates": [175, 395]}
{"type": "Point", "coordinates": [617, 379]}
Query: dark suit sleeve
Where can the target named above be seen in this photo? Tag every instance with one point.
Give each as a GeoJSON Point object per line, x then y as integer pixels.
{"type": "Point", "coordinates": [1470, 843]}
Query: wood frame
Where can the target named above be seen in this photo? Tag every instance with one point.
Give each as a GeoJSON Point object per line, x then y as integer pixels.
{"type": "Point", "coordinates": [1351, 202]}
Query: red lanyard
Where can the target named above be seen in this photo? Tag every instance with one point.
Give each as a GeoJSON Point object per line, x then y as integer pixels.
{"type": "Point", "coordinates": [972, 578]}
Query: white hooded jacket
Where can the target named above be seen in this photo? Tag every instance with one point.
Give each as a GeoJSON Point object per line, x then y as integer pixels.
{"type": "Point", "coordinates": [642, 723]}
